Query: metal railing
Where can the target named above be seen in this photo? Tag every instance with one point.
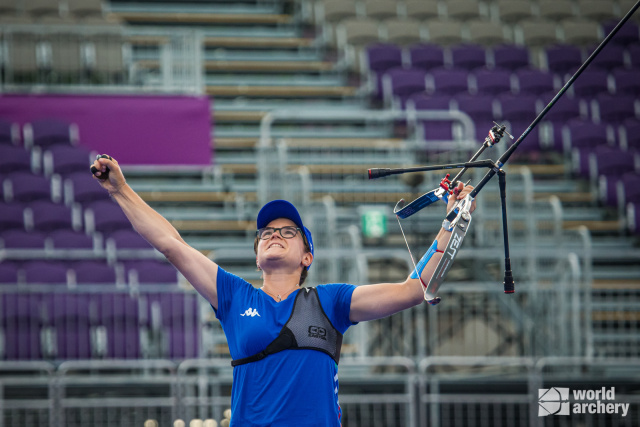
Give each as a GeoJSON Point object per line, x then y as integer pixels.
{"type": "Point", "coordinates": [388, 391]}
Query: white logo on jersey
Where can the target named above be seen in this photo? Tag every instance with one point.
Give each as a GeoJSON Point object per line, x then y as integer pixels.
{"type": "Point", "coordinates": [251, 312]}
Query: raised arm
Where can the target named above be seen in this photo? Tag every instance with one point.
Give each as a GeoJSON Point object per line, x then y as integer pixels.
{"type": "Point", "coordinates": [200, 271]}
{"type": "Point", "coordinates": [371, 302]}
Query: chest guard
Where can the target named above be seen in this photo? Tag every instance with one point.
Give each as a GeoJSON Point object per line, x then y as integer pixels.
{"type": "Point", "coordinates": [308, 328]}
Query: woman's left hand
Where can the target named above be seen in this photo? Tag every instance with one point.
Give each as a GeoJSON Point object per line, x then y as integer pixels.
{"type": "Point", "coordinates": [463, 192]}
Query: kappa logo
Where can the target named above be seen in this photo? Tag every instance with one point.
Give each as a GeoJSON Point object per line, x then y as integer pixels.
{"type": "Point", "coordinates": [553, 401]}
{"type": "Point", "coordinates": [318, 332]}
{"type": "Point", "coordinates": [250, 312]}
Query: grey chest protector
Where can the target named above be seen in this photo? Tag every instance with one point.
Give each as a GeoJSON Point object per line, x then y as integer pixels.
{"type": "Point", "coordinates": [308, 328]}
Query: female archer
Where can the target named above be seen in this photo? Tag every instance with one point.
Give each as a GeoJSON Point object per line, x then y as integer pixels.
{"type": "Point", "coordinates": [284, 338]}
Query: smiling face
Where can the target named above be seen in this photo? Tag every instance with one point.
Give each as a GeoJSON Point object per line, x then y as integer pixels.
{"type": "Point", "coordinates": [278, 252]}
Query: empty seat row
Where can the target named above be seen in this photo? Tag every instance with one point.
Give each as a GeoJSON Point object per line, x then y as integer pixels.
{"type": "Point", "coordinates": [82, 273]}
{"type": "Point", "coordinates": [612, 118]}
{"type": "Point", "coordinates": [41, 133]}
{"type": "Point", "coordinates": [45, 8]}
{"type": "Point", "coordinates": [558, 59]}
{"type": "Point", "coordinates": [65, 55]}
{"type": "Point", "coordinates": [399, 83]}
{"type": "Point", "coordinates": [58, 326]}
{"type": "Point", "coordinates": [508, 11]}
{"type": "Point", "coordinates": [358, 33]}
{"type": "Point", "coordinates": [96, 243]}
{"type": "Point", "coordinates": [76, 187]}
{"type": "Point", "coordinates": [41, 215]}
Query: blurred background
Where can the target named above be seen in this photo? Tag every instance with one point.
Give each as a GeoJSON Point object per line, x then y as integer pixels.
{"type": "Point", "coordinates": [215, 107]}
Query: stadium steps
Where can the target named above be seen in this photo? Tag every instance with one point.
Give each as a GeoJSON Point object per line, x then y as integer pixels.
{"type": "Point", "coordinates": [252, 66]}
{"type": "Point", "coordinates": [237, 42]}
{"type": "Point", "coordinates": [281, 91]}
{"type": "Point", "coordinates": [199, 18]}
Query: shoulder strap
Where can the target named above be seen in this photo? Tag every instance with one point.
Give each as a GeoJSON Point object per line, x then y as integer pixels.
{"type": "Point", "coordinates": [283, 341]}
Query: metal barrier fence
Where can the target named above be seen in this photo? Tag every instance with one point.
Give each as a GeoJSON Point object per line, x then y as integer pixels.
{"type": "Point", "coordinates": [392, 391]}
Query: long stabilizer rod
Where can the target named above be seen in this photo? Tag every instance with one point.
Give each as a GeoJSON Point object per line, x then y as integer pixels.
{"type": "Point", "coordinates": [503, 159]}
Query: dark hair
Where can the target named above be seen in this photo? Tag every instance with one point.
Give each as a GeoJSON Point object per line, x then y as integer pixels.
{"type": "Point", "coordinates": [305, 269]}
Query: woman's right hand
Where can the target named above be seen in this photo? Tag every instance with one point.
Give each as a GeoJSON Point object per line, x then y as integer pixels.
{"type": "Point", "coordinates": [114, 180]}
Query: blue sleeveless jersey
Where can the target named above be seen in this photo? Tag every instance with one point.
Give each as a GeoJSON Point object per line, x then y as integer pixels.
{"type": "Point", "coordinates": [289, 388]}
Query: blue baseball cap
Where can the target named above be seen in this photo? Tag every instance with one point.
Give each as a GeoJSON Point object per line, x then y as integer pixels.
{"type": "Point", "coordinates": [282, 209]}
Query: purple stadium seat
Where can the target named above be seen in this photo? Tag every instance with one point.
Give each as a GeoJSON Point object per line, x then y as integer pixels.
{"type": "Point", "coordinates": [26, 187]}
{"type": "Point", "coordinates": [566, 108]}
{"type": "Point", "coordinates": [120, 316]}
{"type": "Point", "coordinates": [178, 322]}
{"type": "Point", "coordinates": [128, 239]}
{"type": "Point", "coordinates": [580, 159]}
{"type": "Point", "coordinates": [93, 272]}
{"type": "Point", "coordinates": [627, 34]}
{"type": "Point", "coordinates": [584, 134]}
{"type": "Point", "coordinates": [616, 108]}
{"type": "Point", "coordinates": [610, 162]}
{"type": "Point", "coordinates": [21, 319]}
{"type": "Point", "coordinates": [47, 132]}
{"type": "Point", "coordinates": [66, 159]}
{"type": "Point", "coordinates": [480, 109]}
{"type": "Point", "coordinates": [626, 81]}
{"type": "Point", "coordinates": [45, 272]}
{"type": "Point", "coordinates": [534, 81]}
{"type": "Point", "coordinates": [433, 130]}
{"type": "Point", "coordinates": [382, 57]}
{"type": "Point", "coordinates": [151, 272]}
{"type": "Point", "coordinates": [620, 190]}
{"type": "Point", "coordinates": [82, 188]}
{"type": "Point", "coordinates": [400, 83]}
{"type": "Point", "coordinates": [426, 56]}
{"type": "Point", "coordinates": [49, 216]}
{"type": "Point", "coordinates": [591, 83]}
{"type": "Point", "coordinates": [72, 316]}
{"type": "Point", "coordinates": [14, 159]}
{"type": "Point", "coordinates": [630, 135]}
{"type": "Point", "coordinates": [492, 82]}
{"type": "Point", "coordinates": [11, 216]}
{"type": "Point", "coordinates": [520, 111]}
{"type": "Point", "coordinates": [20, 239]}
{"type": "Point", "coordinates": [563, 59]}
{"type": "Point", "coordinates": [69, 239]}
{"type": "Point", "coordinates": [518, 107]}
{"type": "Point", "coordinates": [468, 56]}
{"type": "Point", "coordinates": [449, 81]}
{"type": "Point", "coordinates": [630, 188]}
{"type": "Point", "coordinates": [633, 217]}
{"type": "Point", "coordinates": [184, 321]}
{"type": "Point", "coordinates": [105, 216]}
{"type": "Point", "coordinates": [511, 57]}
{"type": "Point", "coordinates": [8, 273]}
{"type": "Point", "coordinates": [633, 51]}
{"type": "Point", "coordinates": [612, 56]}
{"type": "Point", "coordinates": [8, 133]}
{"type": "Point", "coordinates": [532, 142]}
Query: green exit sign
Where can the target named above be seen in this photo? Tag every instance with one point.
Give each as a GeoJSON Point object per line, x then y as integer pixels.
{"type": "Point", "coordinates": [374, 223]}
